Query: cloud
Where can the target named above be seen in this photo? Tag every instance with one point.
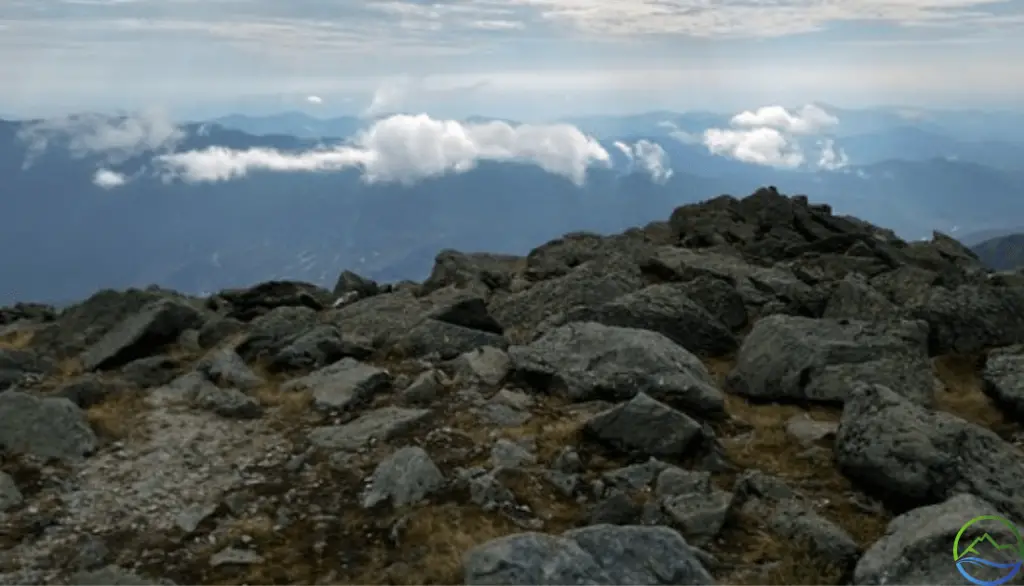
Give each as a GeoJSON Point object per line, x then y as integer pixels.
{"type": "Point", "coordinates": [108, 179]}
{"type": "Point", "coordinates": [761, 146]}
{"type": "Point", "coordinates": [315, 100]}
{"type": "Point", "coordinates": [116, 138]}
{"type": "Point", "coordinates": [649, 157]}
{"type": "Point", "coordinates": [830, 159]}
{"type": "Point", "coordinates": [404, 148]}
{"type": "Point", "coordinates": [809, 120]}
{"type": "Point", "coordinates": [768, 136]}
{"type": "Point", "coordinates": [396, 95]}
{"type": "Point", "coordinates": [680, 134]}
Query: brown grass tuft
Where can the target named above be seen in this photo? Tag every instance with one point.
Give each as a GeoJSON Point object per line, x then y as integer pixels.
{"type": "Point", "coordinates": [118, 416]}
{"type": "Point", "coordinates": [962, 394]}
{"type": "Point", "coordinates": [441, 535]}
{"type": "Point", "coordinates": [18, 339]}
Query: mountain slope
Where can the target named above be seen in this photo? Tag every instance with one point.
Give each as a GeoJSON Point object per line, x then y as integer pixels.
{"type": "Point", "coordinates": [1002, 253]}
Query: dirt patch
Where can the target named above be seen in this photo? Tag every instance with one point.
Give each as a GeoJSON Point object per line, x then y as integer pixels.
{"type": "Point", "coordinates": [962, 393]}
{"type": "Point", "coordinates": [119, 415]}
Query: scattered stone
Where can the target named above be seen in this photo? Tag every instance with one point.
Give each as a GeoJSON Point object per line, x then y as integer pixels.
{"type": "Point", "coordinates": [646, 425]}
{"type": "Point", "coordinates": [10, 496]}
{"type": "Point", "coordinates": [405, 478]}
{"type": "Point", "coordinates": [236, 557]}
{"type": "Point", "coordinates": [230, 403]}
{"type": "Point", "coordinates": [341, 385]}
{"type": "Point", "coordinates": [49, 427]}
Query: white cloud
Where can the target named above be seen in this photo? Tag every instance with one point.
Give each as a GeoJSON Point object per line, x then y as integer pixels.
{"type": "Point", "coordinates": [766, 136]}
{"type": "Point", "coordinates": [744, 18]}
{"type": "Point", "coordinates": [761, 146]}
{"type": "Point", "coordinates": [407, 148]}
{"type": "Point", "coordinates": [116, 138]}
{"type": "Point", "coordinates": [680, 134]}
{"type": "Point", "coordinates": [317, 100]}
{"type": "Point", "coordinates": [108, 179]}
{"type": "Point", "coordinates": [649, 157]}
{"type": "Point", "coordinates": [831, 159]}
{"type": "Point", "coordinates": [809, 120]}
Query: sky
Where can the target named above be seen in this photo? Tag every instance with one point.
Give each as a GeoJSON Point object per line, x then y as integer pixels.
{"type": "Point", "coordinates": [529, 59]}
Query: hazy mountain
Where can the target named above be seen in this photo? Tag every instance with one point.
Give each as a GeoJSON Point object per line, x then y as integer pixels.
{"type": "Point", "coordinates": [1003, 253]}
{"type": "Point", "coordinates": [294, 124]}
{"type": "Point", "coordinates": [309, 226]}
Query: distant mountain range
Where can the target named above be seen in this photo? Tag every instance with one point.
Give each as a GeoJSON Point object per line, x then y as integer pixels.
{"type": "Point", "coordinates": [1003, 253]}
{"type": "Point", "coordinates": [62, 236]}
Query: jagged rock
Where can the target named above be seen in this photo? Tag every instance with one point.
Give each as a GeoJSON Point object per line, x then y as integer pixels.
{"type": "Point", "coordinates": [18, 367]}
{"type": "Point", "coordinates": [230, 403]}
{"type": "Point", "coordinates": [1004, 379]}
{"type": "Point", "coordinates": [719, 298]}
{"type": "Point", "coordinates": [49, 427]}
{"type": "Point", "coordinates": [226, 368]}
{"type": "Point", "coordinates": [272, 332]}
{"type": "Point", "coordinates": [692, 504]}
{"type": "Point", "coordinates": [381, 319]}
{"type": "Point", "coordinates": [808, 431]}
{"type": "Point", "coordinates": [665, 309]}
{"type": "Point", "coordinates": [855, 298]}
{"type": "Point", "coordinates": [451, 267]}
{"type": "Point", "coordinates": [795, 358]}
{"type": "Point", "coordinates": [250, 303]}
{"type": "Point", "coordinates": [405, 478]}
{"type": "Point", "coordinates": [615, 509]}
{"type": "Point", "coordinates": [489, 365]}
{"type": "Point", "coordinates": [590, 285]}
{"type": "Point", "coordinates": [599, 554]}
{"type": "Point", "coordinates": [919, 457]}
{"type": "Point", "coordinates": [446, 340]}
{"type": "Point", "coordinates": [789, 516]}
{"type": "Point", "coordinates": [971, 318]}
{"type": "Point", "coordinates": [10, 496]}
{"type": "Point", "coordinates": [113, 576]}
{"type": "Point", "coordinates": [320, 346]}
{"type": "Point", "coordinates": [142, 334]}
{"type": "Point", "coordinates": [424, 389]}
{"type": "Point", "coordinates": [152, 371]}
{"type": "Point", "coordinates": [468, 312]}
{"type": "Point", "coordinates": [645, 425]}
{"type": "Point", "coordinates": [380, 424]}
{"type": "Point", "coordinates": [916, 544]}
{"type": "Point", "coordinates": [350, 282]}
{"type": "Point", "coordinates": [635, 476]}
{"type": "Point", "coordinates": [341, 385]}
{"type": "Point", "coordinates": [218, 329]}
{"type": "Point", "coordinates": [590, 361]}
{"type": "Point", "coordinates": [28, 312]}
{"type": "Point", "coordinates": [509, 454]}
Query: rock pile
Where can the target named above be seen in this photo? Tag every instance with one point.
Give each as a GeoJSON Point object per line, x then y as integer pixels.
{"type": "Point", "coordinates": [755, 391]}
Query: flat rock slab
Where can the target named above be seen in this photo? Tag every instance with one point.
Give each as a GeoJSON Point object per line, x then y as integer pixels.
{"type": "Point", "coordinates": [796, 358]}
{"type": "Point", "coordinates": [590, 361]}
{"type": "Point", "coordinates": [600, 554]}
{"type": "Point", "coordinates": [142, 334]}
{"type": "Point", "coordinates": [380, 425]}
{"type": "Point", "coordinates": [342, 384]}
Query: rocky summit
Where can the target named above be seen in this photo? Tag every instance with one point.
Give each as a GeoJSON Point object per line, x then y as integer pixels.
{"type": "Point", "coordinates": [755, 391]}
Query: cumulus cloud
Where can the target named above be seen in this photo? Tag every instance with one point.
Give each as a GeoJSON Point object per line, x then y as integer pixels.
{"type": "Point", "coordinates": [405, 149]}
{"type": "Point", "coordinates": [316, 100]}
{"type": "Point", "coordinates": [108, 179]}
{"type": "Point", "coordinates": [649, 157]}
{"type": "Point", "coordinates": [769, 136]}
{"type": "Point", "coordinates": [761, 146]}
{"type": "Point", "coordinates": [680, 134]}
{"type": "Point", "coordinates": [115, 138]}
{"type": "Point", "coordinates": [809, 120]}
{"type": "Point", "coordinates": [831, 159]}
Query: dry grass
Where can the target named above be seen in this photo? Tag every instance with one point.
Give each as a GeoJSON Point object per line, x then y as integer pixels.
{"type": "Point", "coordinates": [118, 416]}
{"type": "Point", "coordinates": [962, 394]}
{"type": "Point", "coordinates": [440, 535]}
{"type": "Point", "coordinates": [18, 339]}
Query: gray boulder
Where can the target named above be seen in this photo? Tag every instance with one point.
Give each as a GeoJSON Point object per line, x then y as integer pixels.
{"type": "Point", "coordinates": [797, 358]}
{"type": "Point", "coordinates": [142, 334]}
{"type": "Point", "coordinates": [917, 456]}
{"type": "Point", "coordinates": [405, 478]}
{"type": "Point", "coordinates": [49, 427]}
{"type": "Point", "coordinates": [599, 554]}
{"type": "Point", "coordinates": [589, 361]}
{"type": "Point", "coordinates": [1004, 379]}
{"type": "Point", "coordinates": [644, 425]}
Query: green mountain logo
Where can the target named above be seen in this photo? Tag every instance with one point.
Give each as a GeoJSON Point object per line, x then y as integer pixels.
{"type": "Point", "coordinates": [988, 540]}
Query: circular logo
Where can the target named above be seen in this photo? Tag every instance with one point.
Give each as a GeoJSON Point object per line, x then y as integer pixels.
{"type": "Point", "coordinates": [988, 550]}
